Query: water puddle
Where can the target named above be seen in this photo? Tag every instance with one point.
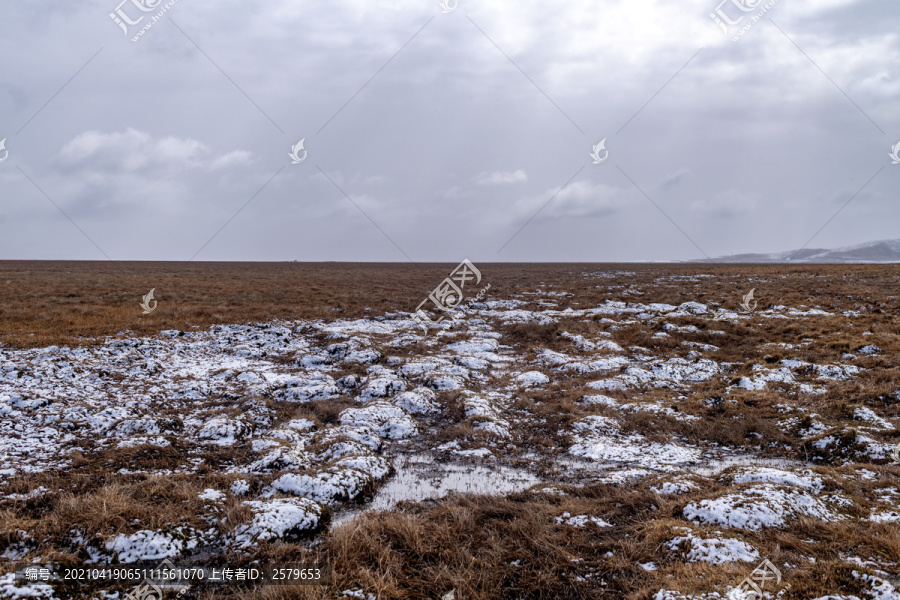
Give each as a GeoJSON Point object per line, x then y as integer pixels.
{"type": "Point", "coordinates": [716, 466]}
{"type": "Point", "coordinates": [420, 477]}
{"type": "Point", "coordinates": [572, 469]}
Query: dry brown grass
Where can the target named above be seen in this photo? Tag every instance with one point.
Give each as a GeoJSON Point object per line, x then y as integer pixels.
{"type": "Point", "coordinates": [61, 302]}
{"type": "Point", "coordinates": [469, 543]}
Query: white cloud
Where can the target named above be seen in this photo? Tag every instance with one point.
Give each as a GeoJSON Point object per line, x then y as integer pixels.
{"type": "Point", "coordinates": [111, 173]}
{"type": "Point", "coordinates": [133, 150]}
{"type": "Point", "coordinates": [501, 177]}
{"type": "Point", "coordinates": [235, 157]}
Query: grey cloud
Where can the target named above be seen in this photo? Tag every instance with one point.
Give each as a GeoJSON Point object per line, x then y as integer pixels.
{"type": "Point", "coordinates": [438, 136]}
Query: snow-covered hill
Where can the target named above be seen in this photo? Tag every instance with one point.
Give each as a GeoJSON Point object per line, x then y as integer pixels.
{"type": "Point", "coordinates": [880, 251]}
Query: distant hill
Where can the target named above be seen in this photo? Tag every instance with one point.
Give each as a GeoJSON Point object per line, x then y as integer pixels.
{"type": "Point", "coordinates": [881, 251]}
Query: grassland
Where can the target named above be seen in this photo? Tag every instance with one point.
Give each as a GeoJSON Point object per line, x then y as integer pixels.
{"type": "Point", "coordinates": [511, 546]}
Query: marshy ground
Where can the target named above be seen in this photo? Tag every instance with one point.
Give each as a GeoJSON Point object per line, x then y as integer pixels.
{"type": "Point", "coordinates": [586, 431]}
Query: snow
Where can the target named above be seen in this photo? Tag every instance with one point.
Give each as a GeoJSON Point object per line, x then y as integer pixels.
{"type": "Point", "coordinates": [598, 438]}
{"type": "Point", "coordinates": [10, 589]}
{"type": "Point", "coordinates": [716, 550]}
{"type": "Point", "coordinates": [676, 595]}
{"type": "Point", "coordinates": [474, 345]}
{"type": "Point", "coordinates": [673, 487]}
{"type": "Point", "coordinates": [318, 387]}
{"type": "Point", "coordinates": [282, 457]}
{"type": "Point", "coordinates": [300, 425]}
{"type": "Point", "coordinates": [287, 519]}
{"type": "Point", "coordinates": [212, 495]}
{"type": "Point", "coordinates": [240, 487]}
{"type": "Point", "coordinates": [887, 516]}
{"type": "Point", "coordinates": [375, 466]}
{"type": "Point", "coordinates": [387, 420]}
{"type": "Point", "coordinates": [144, 545]}
{"type": "Point", "coordinates": [218, 387]}
{"type": "Point", "coordinates": [600, 399]}
{"type": "Point", "coordinates": [382, 387]}
{"type": "Point", "coordinates": [532, 378]}
{"type": "Point", "coordinates": [223, 430]}
{"type": "Point", "coordinates": [420, 401]}
{"type": "Point", "coordinates": [863, 413]}
{"type": "Point", "coordinates": [358, 594]}
{"type": "Point", "coordinates": [806, 479]}
{"type": "Point", "coordinates": [879, 589]}
{"type": "Point", "coordinates": [759, 506]}
{"type": "Point", "coordinates": [330, 486]}
{"type": "Point", "coordinates": [580, 520]}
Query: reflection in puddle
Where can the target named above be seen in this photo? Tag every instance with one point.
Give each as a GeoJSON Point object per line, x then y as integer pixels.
{"type": "Point", "coordinates": [574, 470]}
{"type": "Point", "coordinates": [714, 467]}
{"type": "Point", "coordinates": [420, 477]}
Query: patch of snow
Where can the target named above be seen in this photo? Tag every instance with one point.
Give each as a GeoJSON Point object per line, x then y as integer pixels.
{"type": "Point", "coordinates": [144, 545]}
{"type": "Point", "coordinates": [532, 378]}
{"type": "Point", "coordinates": [807, 480]}
{"type": "Point", "coordinates": [212, 495]}
{"type": "Point", "coordinates": [240, 487]}
{"type": "Point", "coordinates": [673, 487]}
{"type": "Point", "coordinates": [420, 401]}
{"type": "Point", "coordinates": [283, 519]}
{"type": "Point", "coordinates": [387, 420]}
{"type": "Point", "coordinates": [716, 551]}
{"type": "Point", "coordinates": [760, 506]}
{"type": "Point", "coordinates": [580, 520]}
{"type": "Point", "coordinates": [329, 487]}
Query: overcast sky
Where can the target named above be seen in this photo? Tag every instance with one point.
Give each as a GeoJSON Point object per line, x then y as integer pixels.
{"type": "Point", "coordinates": [438, 136]}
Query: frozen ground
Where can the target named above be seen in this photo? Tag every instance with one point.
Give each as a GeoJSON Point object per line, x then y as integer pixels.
{"type": "Point", "coordinates": [425, 416]}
